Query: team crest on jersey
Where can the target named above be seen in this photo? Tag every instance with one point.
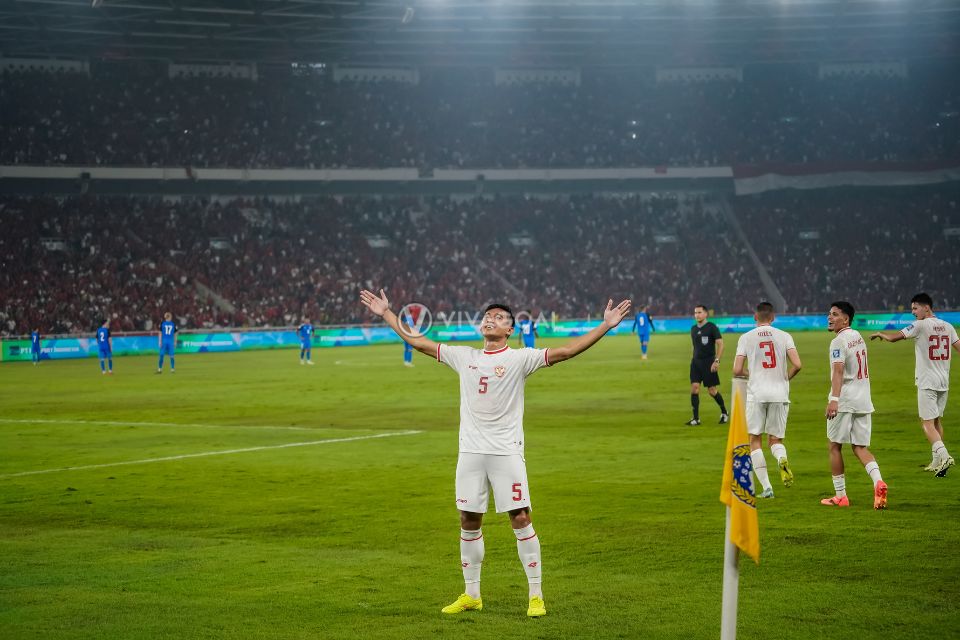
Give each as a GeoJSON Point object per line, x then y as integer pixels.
{"type": "Point", "coordinates": [704, 339]}
{"type": "Point", "coordinates": [835, 353]}
{"type": "Point", "coordinates": [499, 371]}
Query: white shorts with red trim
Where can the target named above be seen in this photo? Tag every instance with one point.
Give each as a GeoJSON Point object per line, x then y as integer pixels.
{"type": "Point", "coordinates": [767, 417]}
{"type": "Point", "coordinates": [477, 473]}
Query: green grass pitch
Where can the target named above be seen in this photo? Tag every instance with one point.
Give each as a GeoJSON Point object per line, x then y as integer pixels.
{"type": "Point", "coordinates": [348, 536]}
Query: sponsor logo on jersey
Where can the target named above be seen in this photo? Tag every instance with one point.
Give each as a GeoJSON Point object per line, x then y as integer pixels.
{"type": "Point", "coordinates": [499, 370]}
{"type": "Point", "coordinates": [909, 327]}
{"type": "Point", "coordinates": [835, 353]}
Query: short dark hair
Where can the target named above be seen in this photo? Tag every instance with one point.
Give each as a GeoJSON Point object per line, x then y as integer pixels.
{"type": "Point", "coordinates": [846, 307]}
{"type": "Point", "coordinates": [922, 298]}
{"type": "Point", "coordinates": [701, 306]}
{"type": "Point", "coordinates": [513, 321]}
{"type": "Point", "coordinates": [765, 310]}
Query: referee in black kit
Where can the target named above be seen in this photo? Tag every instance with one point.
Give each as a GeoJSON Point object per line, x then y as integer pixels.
{"type": "Point", "coordinates": [707, 349]}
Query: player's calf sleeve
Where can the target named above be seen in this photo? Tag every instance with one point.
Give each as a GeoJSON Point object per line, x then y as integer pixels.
{"type": "Point", "coordinates": [760, 468]}
{"type": "Point", "coordinates": [471, 560]}
{"type": "Point", "coordinates": [528, 548]}
{"type": "Point", "coordinates": [779, 451]}
{"type": "Point", "coordinates": [840, 485]}
{"type": "Point", "coordinates": [939, 450]}
{"type": "Point", "coordinates": [719, 400]}
{"type": "Point", "coordinates": [695, 403]}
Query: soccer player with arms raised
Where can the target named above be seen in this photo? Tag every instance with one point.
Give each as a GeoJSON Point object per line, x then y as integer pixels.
{"type": "Point", "coordinates": [849, 406]}
{"type": "Point", "coordinates": [491, 433]}
{"type": "Point", "coordinates": [933, 339]}
{"type": "Point", "coordinates": [767, 350]}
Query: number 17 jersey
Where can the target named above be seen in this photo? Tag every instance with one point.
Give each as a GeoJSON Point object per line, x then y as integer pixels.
{"type": "Point", "coordinates": [765, 349]}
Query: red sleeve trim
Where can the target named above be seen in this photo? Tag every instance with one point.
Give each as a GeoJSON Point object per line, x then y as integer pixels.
{"type": "Point", "coordinates": [900, 331]}
{"type": "Point", "coordinates": [438, 353]}
{"type": "Point", "coordinates": [546, 358]}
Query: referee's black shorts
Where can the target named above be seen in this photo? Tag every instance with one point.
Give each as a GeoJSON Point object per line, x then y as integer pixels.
{"type": "Point", "coordinates": [700, 372]}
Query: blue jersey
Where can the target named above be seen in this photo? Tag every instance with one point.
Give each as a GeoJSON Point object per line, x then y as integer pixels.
{"type": "Point", "coordinates": [103, 339]}
{"type": "Point", "coordinates": [35, 341]}
{"type": "Point", "coordinates": [642, 323]}
{"type": "Point", "coordinates": [527, 328]}
{"type": "Point", "coordinates": [305, 331]}
{"type": "Point", "coordinates": [167, 331]}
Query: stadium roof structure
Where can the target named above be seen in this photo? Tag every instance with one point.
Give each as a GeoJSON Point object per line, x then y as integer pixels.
{"type": "Point", "coordinates": [531, 33]}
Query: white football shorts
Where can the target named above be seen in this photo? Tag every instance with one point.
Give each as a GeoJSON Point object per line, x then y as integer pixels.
{"type": "Point", "coordinates": [477, 473]}
{"type": "Point", "coordinates": [767, 417]}
{"type": "Point", "coordinates": [850, 428]}
{"type": "Point", "coordinates": [931, 403]}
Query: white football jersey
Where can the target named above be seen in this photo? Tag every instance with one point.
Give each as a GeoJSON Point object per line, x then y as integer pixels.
{"type": "Point", "coordinates": [765, 349]}
{"type": "Point", "coordinates": [491, 395]}
{"type": "Point", "coordinates": [849, 348]}
{"type": "Point", "coordinates": [932, 340]}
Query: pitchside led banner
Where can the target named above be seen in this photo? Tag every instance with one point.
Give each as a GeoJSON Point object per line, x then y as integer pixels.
{"type": "Point", "coordinates": [218, 341]}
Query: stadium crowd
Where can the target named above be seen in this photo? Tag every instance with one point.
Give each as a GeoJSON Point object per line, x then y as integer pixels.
{"type": "Point", "coordinates": [877, 248]}
{"type": "Point", "coordinates": [133, 115]}
{"type": "Point", "coordinates": [269, 263]}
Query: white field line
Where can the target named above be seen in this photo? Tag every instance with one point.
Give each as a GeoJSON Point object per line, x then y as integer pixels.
{"type": "Point", "coordinates": [213, 453]}
{"type": "Point", "coordinates": [117, 423]}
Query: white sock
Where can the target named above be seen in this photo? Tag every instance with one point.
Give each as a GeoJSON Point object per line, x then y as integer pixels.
{"type": "Point", "coordinates": [528, 548]}
{"type": "Point", "coordinates": [471, 559]}
{"type": "Point", "coordinates": [760, 468]}
{"type": "Point", "coordinates": [874, 470]}
{"type": "Point", "coordinates": [840, 485]}
{"type": "Point", "coordinates": [940, 451]}
{"type": "Point", "coordinates": [779, 452]}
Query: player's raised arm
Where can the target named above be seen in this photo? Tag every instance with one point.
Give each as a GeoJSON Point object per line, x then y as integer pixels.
{"type": "Point", "coordinates": [612, 316]}
{"type": "Point", "coordinates": [380, 306]}
{"type": "Point", "coordinates": [887, 337]}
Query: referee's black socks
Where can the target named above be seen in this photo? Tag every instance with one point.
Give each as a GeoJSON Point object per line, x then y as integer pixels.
{"type": "Point", "coordinates": [719, 399]}
{"type": "Point", "coordinates": [695, 403]}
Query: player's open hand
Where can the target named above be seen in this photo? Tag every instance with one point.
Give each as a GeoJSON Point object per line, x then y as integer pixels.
{"type": "Point", "coordinates": [876, 336]}
{"type": "Point", "coordinates": [378, 305]}
{"type": "Point", "coordinates": [612, 315]}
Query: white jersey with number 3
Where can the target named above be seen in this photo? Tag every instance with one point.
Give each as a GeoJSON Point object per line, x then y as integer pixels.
{"type": "Point", "coordinates": [932, 338]}
{"type": "Point", "coordinates": [765, 349]}
{"type": "Point", "coordinates": [491, 395]}
{"type": "Point", "coordinates": [850, 349]}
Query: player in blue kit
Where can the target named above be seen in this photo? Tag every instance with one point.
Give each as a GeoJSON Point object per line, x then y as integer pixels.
{"type": "Point", "coordinates": [526, 330]}
{"type": "Point", "coordinates": [643, 325]}
{"type": "Point", "coordinates": [35, 346]}
{"type": "Point", "coordinates": [407, 349]}
{"type": "Point", "coordinates": [305, 331]}
{"type": "Point", "coordinates": [167, 341]}
{"type": "Point", "coordinates": [105, 346]}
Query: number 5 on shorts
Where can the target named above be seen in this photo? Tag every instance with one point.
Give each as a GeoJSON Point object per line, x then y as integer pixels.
{"type": "Point", "coordinates": [517, 492]}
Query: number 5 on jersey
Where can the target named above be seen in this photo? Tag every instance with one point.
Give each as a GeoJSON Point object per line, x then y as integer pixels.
{"type": "Point", "coordinates": [483, 384]}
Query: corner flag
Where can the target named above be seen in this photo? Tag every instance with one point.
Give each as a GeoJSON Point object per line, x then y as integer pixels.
{"type": "Point", "coordinates": [736, 490]}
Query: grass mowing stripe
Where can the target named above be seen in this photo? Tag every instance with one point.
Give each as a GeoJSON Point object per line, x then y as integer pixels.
{"type": "Point", "coordinates": [212, 453]}
{"type": "Point", "coordinates": [160, 424]}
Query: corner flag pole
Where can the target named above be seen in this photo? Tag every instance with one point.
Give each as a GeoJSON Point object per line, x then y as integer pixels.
{"type": "Point", "coordinates": [731, 585]}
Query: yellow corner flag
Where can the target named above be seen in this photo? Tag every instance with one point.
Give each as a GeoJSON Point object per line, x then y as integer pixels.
{"type": "Point", "coordinates": [737, 491]}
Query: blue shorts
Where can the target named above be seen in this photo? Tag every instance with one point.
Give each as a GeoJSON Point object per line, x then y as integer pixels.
{"type": "Point", "coordinates": [305, 344]}
{"type": "Point", "coordinates": [105, 353]}
{"type": "Point", "coordinates": [166, 348]}
{"type": "Point", "coordinates": [644, 337]}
